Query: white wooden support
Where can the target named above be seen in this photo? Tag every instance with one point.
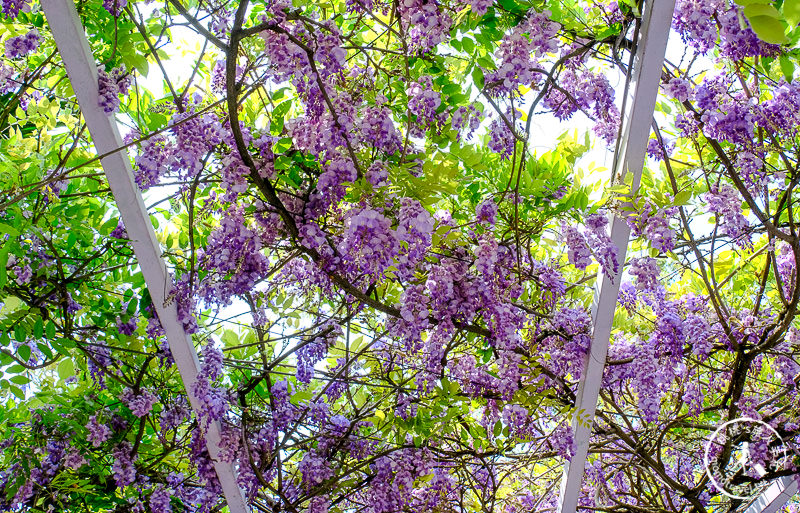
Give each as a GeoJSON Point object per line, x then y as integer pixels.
{"type": "Point", "coordinates": [645, 79]}
{"type": "Point", "coordinates": [775, 496]}
{"type": "Point", "coordinates": [73, 46]}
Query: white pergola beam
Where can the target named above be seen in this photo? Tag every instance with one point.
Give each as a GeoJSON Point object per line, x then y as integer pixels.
{"type": "Point", "coordinates": [73, 46]}
{"type": "Point", "coordinates": [775, 496]}
{"type": "Point", "coordinates": [645, 79]}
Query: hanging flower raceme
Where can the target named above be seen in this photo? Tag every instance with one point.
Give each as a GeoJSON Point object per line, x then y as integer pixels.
{"type": "Point", "coordinates": [23, 45]}
{"type": "Point", "coordinates": [111, 86]}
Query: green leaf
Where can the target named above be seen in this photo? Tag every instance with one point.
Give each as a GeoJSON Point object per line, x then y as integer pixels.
{"type": "Point", "coordinates": [38, 328]}
{"type": "Point", "coordinates": [282, 109]}
{"type": "Point", "coordinates": [487, 63]}
{"type": "Point", "coordinates": [20, 333]}
{"type": "Point", "coordinates": [10, 230]}
{"type": "Point", "coordinates": [787, 67]}
{"type": "Point", "coordinates": [50, 330]}
{"type": "Point", "coordinates": [468, 44]}
{"type": "Point", "coordinates": [3, 262]}
{"type": "Point", "coordinates": [24, 351]}
{"type": "Point", "coordinates": [754, 10]}
{"type": "Point", "coordinates": [768, 29]}
{"type": "Point", "coordinates": [282, 145]}
{"type": "Point", "coordinates": [17, 392]}
{"type": "Point", "coordinates": [682, 198]}
{"type": "Point", "coordinates": [45, 349]}
{"type": "Point", "coordinates": [791, 12]}
{"type": "Point", "coordinates": [139, 62]}
{"type": "Point", "coordinates": [477, 77]}
{"type": "Point", "coordinates": [20, 380]}
{"type": "Point", "coordinates": [66, 369]}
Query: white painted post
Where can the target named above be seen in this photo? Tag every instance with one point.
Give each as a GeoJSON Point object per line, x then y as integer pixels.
{"type": "Point", "coordinates": [775, 496]}
{"type": "Point", "coordinates": [68, 32]}
{"type": "Point", "coordinates": [646, 76]}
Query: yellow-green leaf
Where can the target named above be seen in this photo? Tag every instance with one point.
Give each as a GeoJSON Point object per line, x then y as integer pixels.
{"type": "Point", "coordinates": [66, 369]}
{"type": "Point", "coordinates": [768, 29]}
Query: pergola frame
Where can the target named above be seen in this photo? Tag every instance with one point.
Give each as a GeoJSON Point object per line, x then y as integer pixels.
{"type": "Point", "coordinates": [645, 79]}
{"type": "Point", "coordinates": [74, 48]}
{"type": "Point", "coordinates": [774, 496]}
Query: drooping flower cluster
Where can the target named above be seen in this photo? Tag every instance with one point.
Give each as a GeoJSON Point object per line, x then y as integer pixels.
{"type": "Point", "coordinates": [653, 224]}
{"type": "Point", "coordinates": [426, 22]}
{"type": "Point", "coordinates": [595, 241]}
{"type": "Point", "coordinates": [423, 102]}
{"type": "Point", "coordinates": [140, 403]}
{"type": "Point", "coordinates": [517, 53]}
{"type": "Point", "coordinates": [110, 86]}
{"type": "Point", "coordinates": [213, 402]}
{"type": "Point", "coordinates": [368, 245]}
{"type": "Point", "coordinates": [694, 21]}
{"type": "Point", "coordinates": [123, 466]}
{"type": "Point", "coordinates": [646, 272]}
{"type": "Point", "coordinates": [11, 8]}
{"type": "Point", "coordinates": [21, 46]}
{"type": "Point", "coordinates": [98, 433]}
{"type": "Point", "coordinates": [115, 7]}
{"type": "Point", "coordinates": [725, 203]}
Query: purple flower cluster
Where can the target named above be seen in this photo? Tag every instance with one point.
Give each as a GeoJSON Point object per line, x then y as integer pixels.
{"type": "Point", "coordinates": [562, 441]}
{"type": "Point", "coordinates": [426, 22]}
{"type": "Point", "coordinates": [486, 212]}
{"type": "Point", "coordinates": [594, 241]}
{"type": "Point", "coordinates": [516, 55]}
{"type": "Point", "coordinates": [115, 7]}
{"type": "Point", "coordinates": [213, 401]}
{"type": "Point", "coordinates": [394, 477]}
{"type": "Point", "coordinates": [378, 129]}
{"type": "Point", "coordinates": [501, 138]}
{"type": "Point", "coordinates": [11, 8]}
{"type": "Point", "coordinates": [570, 344]}
{"type": "Point", "coordinates": [726, 204]}
{"type": "Point", "coordinates": [414, 228]}
{"type": "Point", "coordinates": [603, 248]}
{"type": "Point", "coordinates": [195, 135]}
{"type": "Point", "coordinates": [653, 224]}
{"type": "Point", "coordinates": [694, 21]}
{"type": "Point", "coordinates": [423, 101]}
{"type": "Point", "coordinates": [315, 469]}
{"type": "Point", "coordinates": [738, 41]}
{"type": "Point", "coordinates": [160, 500]}
{"type": "Point", "coordinates": [781, 112]}
{"type": "Point", "coordinates": [786, 269]}
{"type": "Point", "coordinates": [678, 89]}
{"type": "Point", "coordinates": [233, 252]}
{"type": "Point", "coordinates": [110, 86]}
{"type": "Point", "coordinates": [578, 252]}
{"type": "Point", "coordinates": [123, 468]}
{"type": "Point", "coordinates": [656, 151]}
{"type": "Point", "coordinates": [173, 415]}
{"type": "Point", "coordinates": [369, 244]}
{"type": "Point", "coordinates": [152, 161]}
{"type": "Point", "coordinates": [480, 7]}
{"type": "Point", "coordinates": [331, 182]}
{"type": "Point", "coordinates": [98, 433]}
{"type": "Point", "coordinates": [21, 46]}
{"type": "Point", "coordinates": [645, 270]}
{"type": "Point", "coordinates": [140, 404]}
{"type": "Point", "coordinates": [733, 122]}
{"type": "Point", "coordinates": [313, 351]}
{"type": "Point", "coordinates": [74, 459]}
